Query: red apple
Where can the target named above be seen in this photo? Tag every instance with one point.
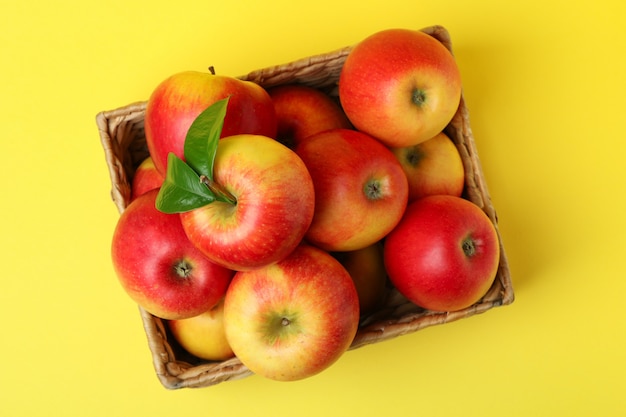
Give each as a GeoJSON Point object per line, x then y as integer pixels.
{"type": "Point", "coordinates": [293, 319]}
{"type": "Point", "coordinates": [367, 269]}
{"type": "Point", "coordinates": [432, 167]}
{"type": "Point", "coordinates": [361, 190]}
{"type": "Point", "coordinates": [302, 111]}
{"type": "Point", "coordinates": [146, 178]}
{"type": "Point", "coordinates": [444, 253]}
{"type": "Point", "coordinates": [179, 99]}
{"type": "Point", "coordinates": [273, 209]}
{"type": "Point", "coordinates": [159, 268]}
{"type": "Point", "coordinates": [400, 86]}
{"type": "Point", "coordinates": [203, 336]}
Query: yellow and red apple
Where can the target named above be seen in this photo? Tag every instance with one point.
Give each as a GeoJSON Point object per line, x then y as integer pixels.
{"type": "Point", "coordinates": [302, 111]}
{"type": "Point", "coordinates": [146, 178]}
{"type": "Point", "coordinates": [273, 207]}
{"type": "Point", "coordinates": [432, 167]}
{"type": "Point", "coordinates": [401, 86]}
{"type": "Point", "coordinates": [361, 190]}
{"type": "Point", "coordinates": [292, 319]}
{"type": "Point", "coordinates": [179, 99]}
{"type": "Point", "coordinates": [203, 335]}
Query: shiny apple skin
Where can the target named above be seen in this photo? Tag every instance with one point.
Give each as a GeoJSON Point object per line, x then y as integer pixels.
{"type": "Point", "coordinates": [444, 254]}
{"type": "Point", "coordinates": [178, 100]}
{"type": "Point", "coordinates": [159, 268]}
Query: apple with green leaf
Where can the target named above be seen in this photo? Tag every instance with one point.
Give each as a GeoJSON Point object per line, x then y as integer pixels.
{"type": "Point", "coordinates": [244, 200]}
{"type": "Point", "coordinates": [178, 100]}
{"type": "Point", "coordinates": [432, 167]}
{"type": "Point", "coordinates": [401, 86]}
{"type": "Point", "coordinates": [302, 111]}
{"type": "Point", "coordinates": [361, 190]}
{"type": "Point", "coordinates": [159, 268]}
{"type": "Point", "coordinates": [444, 254]}
{"type": "Point", "coordinates": [292, 319]}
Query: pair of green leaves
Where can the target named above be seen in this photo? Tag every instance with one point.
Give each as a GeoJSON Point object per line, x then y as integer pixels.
{"type": "Point", "coordinates": [189, 184]}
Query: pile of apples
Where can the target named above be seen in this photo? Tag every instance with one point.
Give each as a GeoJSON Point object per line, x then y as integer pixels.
{"type": "Point", "coordinates": [266, 222]}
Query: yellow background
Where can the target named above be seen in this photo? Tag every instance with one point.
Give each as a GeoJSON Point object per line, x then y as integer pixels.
{"type": "Point", "coordinates": [545, 84]}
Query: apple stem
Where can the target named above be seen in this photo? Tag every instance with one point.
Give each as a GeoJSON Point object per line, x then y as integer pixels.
{"type": "Point", "coordinates": [212, 70]}
{"type": "Point", "coordinates": [285, 321]}
{"type": "Point", "coordinates": [373, 190]}
{"type": "Point", "coordinates": [414, 155]}
{"type": "Point", "coordinates": [418, 97]}
{"type": "Point", "coordinates": [218, 190]}
{"type": "Point", "coordinates": [469, 247]}
{"type": "Point", "coordinates": [183, 269]}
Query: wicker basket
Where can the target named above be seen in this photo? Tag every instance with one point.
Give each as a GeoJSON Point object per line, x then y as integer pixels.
{"type": "Point", "coordinates": [123, 140]}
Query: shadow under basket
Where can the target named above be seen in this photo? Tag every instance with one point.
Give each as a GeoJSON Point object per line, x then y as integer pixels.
{"type": "Point", "coordinates": [122, 136]}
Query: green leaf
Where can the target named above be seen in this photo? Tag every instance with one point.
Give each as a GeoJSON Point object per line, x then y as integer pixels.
{"type": "Point", "coordinates": [182, 189]}
{"type": "Point", "coordinates": [203, 136]}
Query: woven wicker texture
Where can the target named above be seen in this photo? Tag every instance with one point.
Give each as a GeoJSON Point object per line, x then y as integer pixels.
{"type": "Point", "coordinates": [123, 140]}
